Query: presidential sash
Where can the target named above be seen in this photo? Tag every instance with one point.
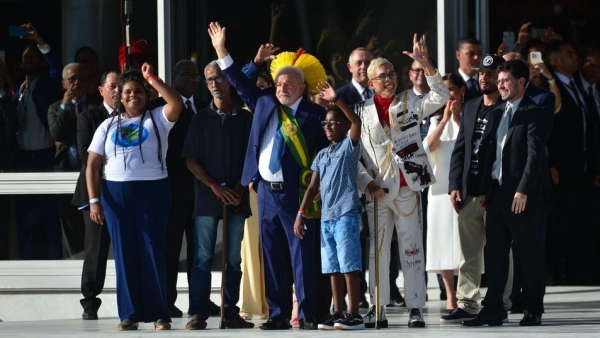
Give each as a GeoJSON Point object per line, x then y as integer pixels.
{"type": "Point", "coordinates": [294, 139]}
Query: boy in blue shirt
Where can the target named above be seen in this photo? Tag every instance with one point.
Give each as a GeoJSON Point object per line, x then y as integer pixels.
{"type": "Point", "coordinates": [335, 170]}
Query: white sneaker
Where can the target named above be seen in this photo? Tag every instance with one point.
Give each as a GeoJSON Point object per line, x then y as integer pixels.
{"type": "Point", "coordinates": [369, 318]}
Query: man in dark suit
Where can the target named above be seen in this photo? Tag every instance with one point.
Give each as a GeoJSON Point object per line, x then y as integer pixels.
{"type": "Point", "coordinates": [545, 100]}
{"type": "Point", "coordinates": [512, 194]}
{"type": "Point", "coordinates": [181, 182]}
{"type": "Point", "coordinates": [358, 88]}
{"type": "Point", "coordinates": [466, 170]}
{"type": "Point", "coordinates": [97, 240]}
{"type": "Point", "coordinates": [278, 189]}
{"type": "Point", "coordinates": [468, 54]}
{"type": "Point", "coordinates": [573, 159]}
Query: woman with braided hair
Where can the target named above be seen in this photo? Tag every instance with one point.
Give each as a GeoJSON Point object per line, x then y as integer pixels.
{"type": "Point", "coordinates": [129, 151]}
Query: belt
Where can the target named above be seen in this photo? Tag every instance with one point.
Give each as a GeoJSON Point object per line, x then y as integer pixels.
{"type": "Point", "coordinates": [274, 185]}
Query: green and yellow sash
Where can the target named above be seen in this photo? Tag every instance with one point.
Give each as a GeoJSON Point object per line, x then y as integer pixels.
{"type": "Point", "coordinates": [296, 143]}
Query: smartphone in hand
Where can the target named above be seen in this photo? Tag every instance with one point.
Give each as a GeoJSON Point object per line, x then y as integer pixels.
{"type": "Point", "coordinates": [17, 31]}
{"type": "Point", "coordinates": [535, 57]}
{"type": "Point", "coordinates": [508, 38]}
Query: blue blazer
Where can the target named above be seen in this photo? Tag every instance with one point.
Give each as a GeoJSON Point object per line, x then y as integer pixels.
{"type": "Point", "coordinates": [47, 88]}
{"type": "Point", "coordinates": [264, 104]}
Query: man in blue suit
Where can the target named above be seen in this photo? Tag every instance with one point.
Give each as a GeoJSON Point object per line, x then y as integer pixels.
{"type": "Point", "coordinates": [278, 187]}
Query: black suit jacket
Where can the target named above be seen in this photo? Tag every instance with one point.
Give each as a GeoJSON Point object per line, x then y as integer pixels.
{"type": "Point", "coordinates": [566, 142]}
{"type": "Point", "coordinates": [463, 148]}
{"type": "Point", "coordinates": [87, 123]}
{"type": "Point", "coordinates": [349, 94]}
{"type": "Point", "coordinates": [523, 152]}
{"type": "Point", "coordinates": [63, 128]}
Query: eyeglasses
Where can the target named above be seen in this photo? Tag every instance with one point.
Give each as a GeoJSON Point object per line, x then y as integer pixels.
{"type": "Point", "coordinates": [331, 124]}
{"type": "Point", "coordinates": [190, 76]}
{"type": "Point", "coordinates": [503, 81]}
{"type": "Point", "coordinates": [72, 79]}
{"type": "Point", "coordinates": [417, 70]}
{"type": "Point", "coordinates": [216, 79]}
{"type": "Point", "coordinates": [386, 77]}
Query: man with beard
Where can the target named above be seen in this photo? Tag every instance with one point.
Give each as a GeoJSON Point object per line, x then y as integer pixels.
{"type": "Point", "coordinates": [468, 55]}
{"type": "Point", "coordinates": [39, 230]}
{"type": "Point", "coordinates": [97, 239]}
{"type": "Point", "coordinates": [215, 148]}
{"type": "Point", "coordinates": [465, 175]}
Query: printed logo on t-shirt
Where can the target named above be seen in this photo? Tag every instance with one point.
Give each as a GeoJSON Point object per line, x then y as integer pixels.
{"type": "Point", "coordinates": [129, 136]}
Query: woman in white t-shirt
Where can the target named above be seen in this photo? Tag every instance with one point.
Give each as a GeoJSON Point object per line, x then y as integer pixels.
{"type": "Point", "coordinates": [128, 151]}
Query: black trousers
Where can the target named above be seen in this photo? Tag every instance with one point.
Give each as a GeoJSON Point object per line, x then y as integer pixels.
{"type": "Point", "coordinates": [504, 227]}
{"type": "Point", "coordinates": [180, 221]}
{"type": "Point", "coordinates": [96, 246]}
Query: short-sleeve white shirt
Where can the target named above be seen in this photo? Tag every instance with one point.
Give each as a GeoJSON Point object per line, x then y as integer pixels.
{"type": "Point", "coordinates": [126, 162]}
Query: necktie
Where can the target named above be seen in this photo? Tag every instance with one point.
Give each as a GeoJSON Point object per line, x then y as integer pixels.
{"type": "Point", "coordinates": [77, 108]}
{"type": "Point", "coordinates": [114, 113]}
{"type": "Point", "coordinates": [473, 89]}
{"type": "Point", "coordinates": [277, 151]}
{"type": "Point", "coordinates": [189, 108]}
{"type": "Point", "coordinates": [501, 140]}
{"type": "Point", "coordinates": [366, 94]}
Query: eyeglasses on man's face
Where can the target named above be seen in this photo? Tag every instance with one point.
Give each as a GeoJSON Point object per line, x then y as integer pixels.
{"type": "Point", "coordinates": [217, 79]}
{"type": "Point", "coordinates": [190, 76]}
{"type": "Point", "coordinates": [331, 124]}
{"type": "Point", "coordinates": [386, 77]}
{"type": "Point", "coordinates": [503, 81]}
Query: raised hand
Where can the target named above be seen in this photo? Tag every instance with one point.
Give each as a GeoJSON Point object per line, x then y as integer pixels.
{"type": "Point", "coordinates": [147, 70]}
{"type": "Point", "coordinates": [419, 52]}
{"type": "Point", "coordinates": [326, 91]}
{"type": "Point", "coordinates": [33, 33]}
{"type": "Point", "coordinates": [217, 34]}
{"type": "Point", "coordinates": [265, 53]}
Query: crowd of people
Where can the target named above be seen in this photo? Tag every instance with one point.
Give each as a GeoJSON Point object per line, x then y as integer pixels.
{"type": "Point", "coordinates": [498, 162]}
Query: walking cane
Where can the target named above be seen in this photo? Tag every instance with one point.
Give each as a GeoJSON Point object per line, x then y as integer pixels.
{"type": "Point", "coordinates": [223, 266]}
{"type": "Point", "coordinates": [376, 243]}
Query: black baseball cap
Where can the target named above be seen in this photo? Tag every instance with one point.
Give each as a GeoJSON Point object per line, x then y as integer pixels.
{"type": "Point", "coordinates": [491, 62]}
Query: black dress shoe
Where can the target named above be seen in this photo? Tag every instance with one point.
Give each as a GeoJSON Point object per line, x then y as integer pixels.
{"type": "Point", "coordinates": [529, 319]}
{"type": "Point", "coordinates": [214, 309]}
{"type": "Point", "coordinates": [308, 324]}
{"type": "Point", "coordinates": [174, 312]}
{"type": "Point", "coordinates": [276, 324]}
{"type": "Point", "coordinates": [89, 315]}
{"type": "Point", "coordinates": [483, 319]}
{"type": "Point", "coordinates": [237, 322]}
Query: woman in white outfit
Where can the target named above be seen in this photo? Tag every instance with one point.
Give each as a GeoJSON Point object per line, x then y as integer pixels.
{"type": "Point", "coordinates": [443, 244]}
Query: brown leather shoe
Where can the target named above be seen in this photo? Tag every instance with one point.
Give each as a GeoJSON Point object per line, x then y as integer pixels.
{"type": "Point", "coordinates": [196, 324]}
{"type": "Point", "coordinates": [127, 325]}
{"type": "Point", "coordinates": [162, 324]}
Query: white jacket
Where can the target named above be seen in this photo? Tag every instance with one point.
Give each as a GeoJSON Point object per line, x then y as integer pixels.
{"type": "Point", "coordinates": [383, 154]}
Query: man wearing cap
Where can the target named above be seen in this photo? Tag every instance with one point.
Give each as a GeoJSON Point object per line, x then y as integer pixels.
{"type": "Point", "coordinates": [286, 132]}
{"type": "Point", "coordinates": [465, 180]}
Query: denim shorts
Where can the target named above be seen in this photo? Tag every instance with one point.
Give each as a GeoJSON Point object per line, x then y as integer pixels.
{"type": "Point", "coordinates": [340, 244]}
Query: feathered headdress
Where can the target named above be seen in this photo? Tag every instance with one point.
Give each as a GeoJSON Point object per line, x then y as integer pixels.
{"type": "Point", "coordinates": [309, 65]}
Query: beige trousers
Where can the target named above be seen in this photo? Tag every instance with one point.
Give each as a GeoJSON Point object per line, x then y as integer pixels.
{"type": "Point", "coordinates": [253, 285]}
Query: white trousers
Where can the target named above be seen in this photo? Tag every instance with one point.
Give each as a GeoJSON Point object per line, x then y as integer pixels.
{"type": "Point", "coordinates": [404, 212]}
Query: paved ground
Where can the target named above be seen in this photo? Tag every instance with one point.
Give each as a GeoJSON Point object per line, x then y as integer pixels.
{"type": "Point", "coordinates": [570, 312]}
